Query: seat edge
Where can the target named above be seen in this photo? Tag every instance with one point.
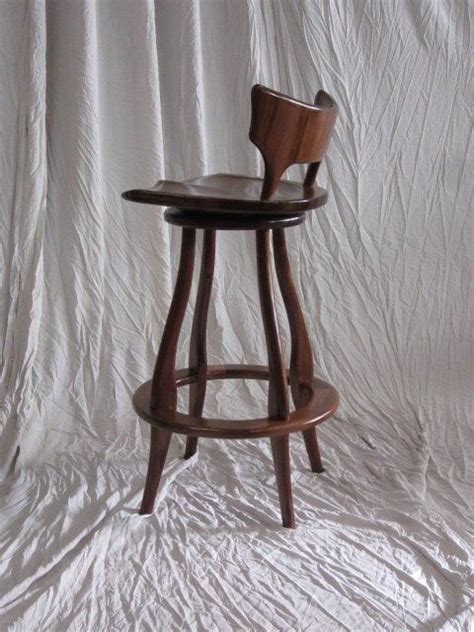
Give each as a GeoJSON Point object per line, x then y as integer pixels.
{"type": "Point", "coordinates": [230, 205]}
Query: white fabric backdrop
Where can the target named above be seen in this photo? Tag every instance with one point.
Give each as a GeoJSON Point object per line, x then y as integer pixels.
{"type": "Point", "coordinates": [98, 97]}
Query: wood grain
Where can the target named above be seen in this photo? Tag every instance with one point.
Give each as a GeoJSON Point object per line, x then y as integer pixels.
{"type": "Point", "coordinates": [281, 461]}
{"type": "Point", "coordinates": [278, 407]}
{"type": "Point", "coordinates": [312, 448]}
{"type": "Point", "coordinates": [159, 444]}
{"type": "Point", "coordinates": [230, 194]}
{"type": "Point", "coordinates": [198, 345]}
{"type": "Point", "coordinates": [288, 131]}
{"type": "Point", "coordinates": [301, 361]}
{"type": "Point", "coordinates": [163, 394]}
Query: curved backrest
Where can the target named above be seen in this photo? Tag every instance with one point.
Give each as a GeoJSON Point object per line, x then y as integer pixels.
{"type": "Point", "coordinates": [287, 131]}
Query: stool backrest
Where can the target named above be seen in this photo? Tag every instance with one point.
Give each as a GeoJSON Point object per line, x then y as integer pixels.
{"type": "Point", "coordinates": [287, 132]}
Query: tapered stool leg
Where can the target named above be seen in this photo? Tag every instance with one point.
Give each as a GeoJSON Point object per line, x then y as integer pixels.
{"type": "Point", "coordinates": [278, 407]}
{"type": "Point", "coordinates": [198, 350]}
{"type": "Point", "coordinates": [312, 448]}
{"type": "Point", "coordinates": [301, 363]}
{"type": "Point", "coordinates": [281, 460]}
{"type": "Point", "coordinates": [191, 447]}
{"type": "Point", "coordinates": [164, 389]}
{"type": "Point", "coordinates": [159, 444]}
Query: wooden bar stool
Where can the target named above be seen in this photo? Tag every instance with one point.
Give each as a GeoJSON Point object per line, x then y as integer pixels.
{"type": "Point", "coordinates": [286, 131]}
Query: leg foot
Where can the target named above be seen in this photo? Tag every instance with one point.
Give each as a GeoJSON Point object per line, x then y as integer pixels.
{"type": "Point", "coordinates": [281, 460]}
{"type": "Point", "coordinates": [160, 441]}
{"type": "Point", "coordinates": [191, 447]}
{"type": "Point", "coordinates": [312, 449]}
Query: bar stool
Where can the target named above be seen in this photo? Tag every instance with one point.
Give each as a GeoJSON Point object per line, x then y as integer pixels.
{"type": "Point", "coordinates": [286, 131]}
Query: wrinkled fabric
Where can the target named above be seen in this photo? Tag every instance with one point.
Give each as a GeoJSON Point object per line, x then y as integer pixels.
{"type": "Point", "coordinates": [100, 97]}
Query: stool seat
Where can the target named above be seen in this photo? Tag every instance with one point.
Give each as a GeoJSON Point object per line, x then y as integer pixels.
{"type": "Point", "coordinates": [322, 402]}
{"type": "Point", "coordinates": [231, 194]}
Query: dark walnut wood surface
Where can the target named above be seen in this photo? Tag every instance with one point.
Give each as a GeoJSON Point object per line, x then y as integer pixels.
{"type": "Point", "coordinates": [230, 194]}
{"type": "Point", "coordinates": [287, 132]}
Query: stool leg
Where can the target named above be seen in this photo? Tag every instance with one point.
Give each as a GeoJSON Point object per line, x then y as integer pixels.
{"type": "Point", "coordinates": [191, 447]}
{"type": "Point", "coordinates": [159, 444]}
{"type": "Point", "coordinates": [301, 363]}
{"type": "Point", "coordinates": [278, 407]}
{"type": "Point", "coordinates": [312, 448]}
{"type": "Point", "coordinates": [164, 390]}
{"type": "Point", "coordinates": [198, 351]}
{"type": "Point", "coordinates": [281, 460]}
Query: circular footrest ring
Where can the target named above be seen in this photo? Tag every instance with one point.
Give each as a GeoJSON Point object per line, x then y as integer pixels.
{"type": "Point", "coordinates": [322, 404]}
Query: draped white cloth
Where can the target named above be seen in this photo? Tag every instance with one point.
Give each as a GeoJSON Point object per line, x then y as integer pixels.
{"type": "Point", "coordinates": [98, 97]}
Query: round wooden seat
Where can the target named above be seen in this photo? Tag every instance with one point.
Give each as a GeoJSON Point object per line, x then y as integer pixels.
{"type": "Point", "coordinates": [230, 194]}
{"type": "Point", "coordinates": [322, 402]}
